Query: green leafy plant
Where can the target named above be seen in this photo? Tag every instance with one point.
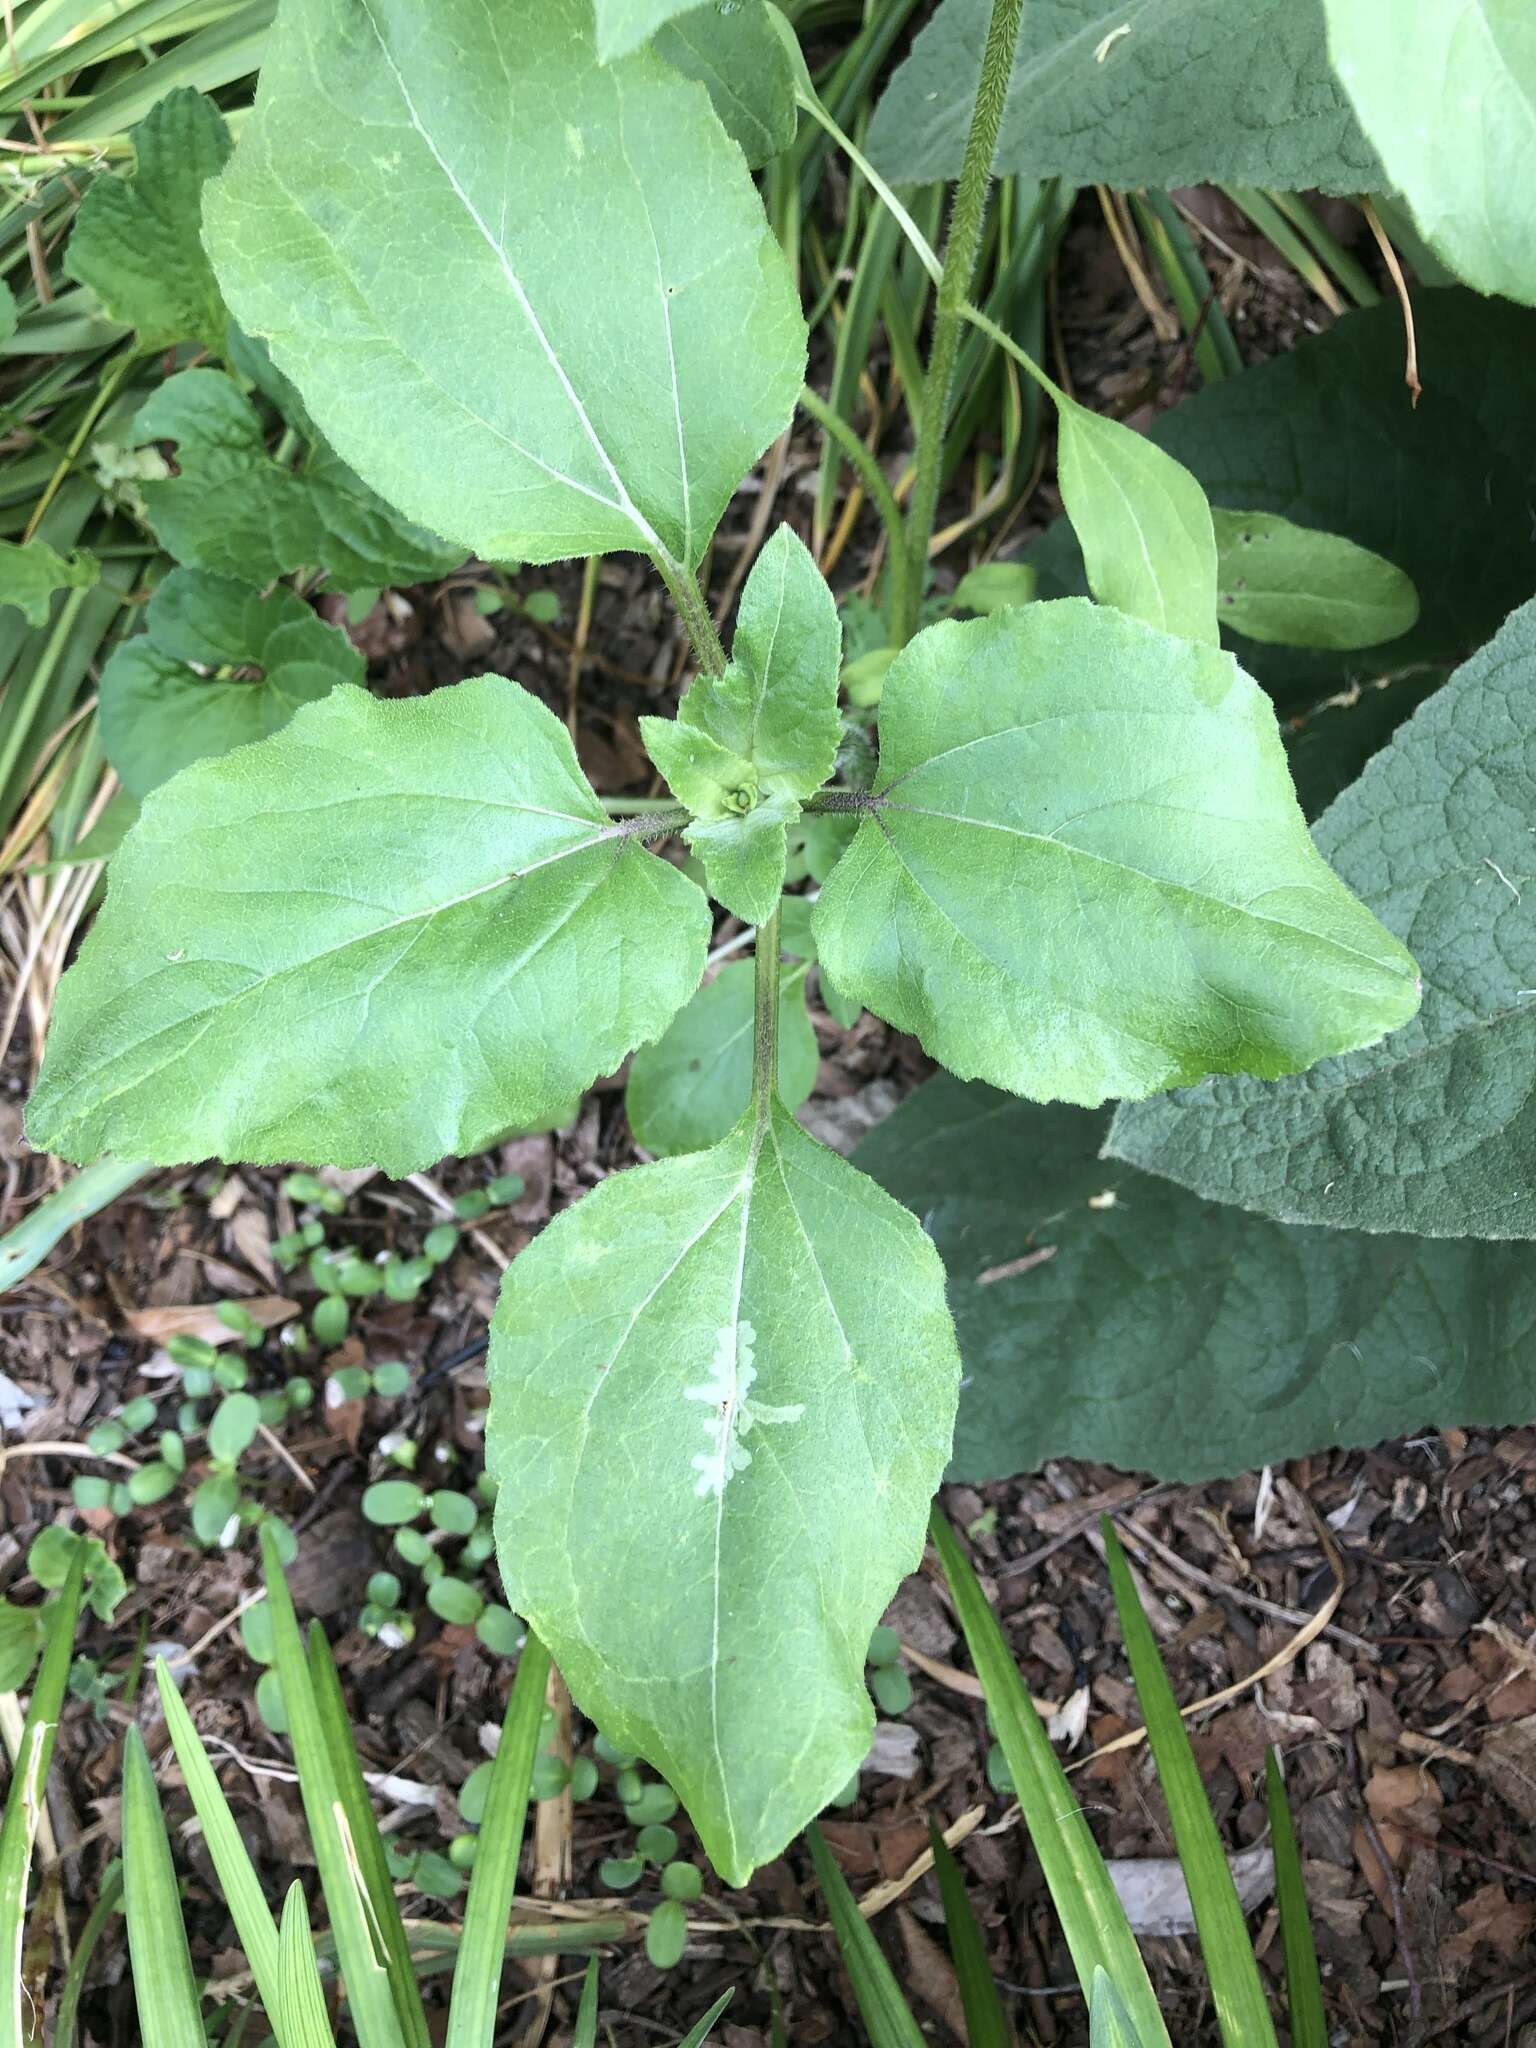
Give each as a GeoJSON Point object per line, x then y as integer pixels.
{"type": "Point", "coordinates": [1076, 870]}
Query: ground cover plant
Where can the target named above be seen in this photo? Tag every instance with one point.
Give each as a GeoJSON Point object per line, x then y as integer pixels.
{"type": "Point", "coordinates": [1062, 842]}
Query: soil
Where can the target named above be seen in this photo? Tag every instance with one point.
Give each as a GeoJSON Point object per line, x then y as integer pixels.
{"type": "Point", "coordinates": [1369, 1613]}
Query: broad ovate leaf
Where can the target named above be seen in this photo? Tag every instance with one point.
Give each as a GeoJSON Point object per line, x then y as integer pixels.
{"type": "Point", "coordinates": [233, 510]}
{"type": "Point", "coordinates": [1446, 91]}
{"type": "Point", "coordinates": [1108, 1315]}
{"type": "Point", "coordinates": [1084, 870]}
{"type": "Point", "coordinates": [735, 53]}
{"type": "Point", "coordinates": [747, 746]}
{"type": "Point", "coordinates": [1282, 582]}
{"type": "Point", "coordinates": [389, 932]}
{"type": "Point", "coordinates": [218, 665]}
{"type": "Point", "coordinates": [624, 25]}
{"type": "Point", "coordinates": [722, 1390]}
{"type": "Point", "coordinates": [1435, 1130]}
{"type": "Point", "coordinates": [31, 572]}
{"type": "Point", "coordinates": [691, 1088]}
{"type": "Point", "coordinates": [1142, 521]}
{"type": "Point", "coordinates": [137, 242]}
{"type": "Point", "coordinates": [1153, 92]}
{"type": "Point", "coordinates": [531, 298]}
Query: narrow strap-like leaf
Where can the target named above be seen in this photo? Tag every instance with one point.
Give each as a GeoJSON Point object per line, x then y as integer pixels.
{"type": "Point", "coordinates": [1309, 2024]}
{"type": "Point", "coordinates": [24, 1802]}
{"type": "Point", "coordinates": [164, 1988]}
{"type": "Point", "coordinates": [301, 2021]}
{"type": "Point", "coordinates": [1241, 2010]}
{"type": "Point", "coordinates": [477, 1972]}
{"type": "Point", "coordinates": [887, 2016]}
{"type": "Point", "coordinates": [360, 1945]}
{"type": "Point", "coordinates": [585, 2035]}
{"type": "Point", "coordinates": [986, 2024]}
{"type": "Point", "coordinates": [243, 1894]}
{"type": "Point", "coordinates": [1109, 2024]}
{"type": "Point", "coordinates": [698, 2033]}
{"type": "Point", "coordinates": [1092, 1917]}
{"type": "Point", "coordinates": [363, 1827]}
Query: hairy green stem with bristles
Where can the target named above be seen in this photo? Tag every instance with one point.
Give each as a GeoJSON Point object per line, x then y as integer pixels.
{"type": "Point", "coordinates": [965, 223]}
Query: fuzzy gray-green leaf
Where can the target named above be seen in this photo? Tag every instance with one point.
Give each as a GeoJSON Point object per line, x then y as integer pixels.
{"type": "Point", "coordinates": [1085, 871]}
{"type": "Point", "coordinates": [722, 1393]}
{"type": "Point", "coordinates": [1434, 1130]}
{"type": "Point", "coordinates": [1202, 1340]}
{"type": "Point", "coordinates": [393, 930]}
{"type": "Point", "coordinates": [1151, 92]}
{"type": "Point", "coordinates": [566, 327]}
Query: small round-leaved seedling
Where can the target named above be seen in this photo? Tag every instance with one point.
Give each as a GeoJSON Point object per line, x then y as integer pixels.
{"type": "Point", "coordinates": [388, 1503]}
{"type": "Point", "coordinates": [455, 1601]}
{"type": "Point", "coordinates": [499, 1630]}
{"type": "Point", "coordinates": [682, 1881]}
{"type": "Point", "coordinates": [666, 1934]}
{"type": "Point", "coordinates": [656, 1843]}
{"type": "Point", "coordinates": [621, 1873]}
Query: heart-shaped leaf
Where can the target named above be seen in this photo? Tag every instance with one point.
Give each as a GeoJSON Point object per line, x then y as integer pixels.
{"type": "Point", "coordinates": [393, 930]}
{"type": "Point", "coordinates": [1085, 872]}
{"type": "Point", "coordinates": [1435, 1130]}
{"type": "Point", "coordinates": [532, 299]}
{"type": "Point", "coordinates": [722, 1394]}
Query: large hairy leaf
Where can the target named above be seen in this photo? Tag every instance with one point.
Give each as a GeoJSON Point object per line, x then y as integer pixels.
{"type": "Point", "coordinates": [137, 241]}
{"type": "Point", "coordinates": [168, 695]}
{"type": "Point", "coordinates": [1446, 91]}
{"type": "Point", "coordinates": [1325, 435]}
{"type": "Point", "coordinates": [391, 931]}
{"type": "Point", "coordinates": [532, 299]}
{"type": "Point", "coordinates": [1434, 1130]}
{"type": "Point", "coordinates": [623, 25]}
{"type": "Point", "coordinates": [234, 510]}
{"type": "Point", "coordinates": [722, 1394]}
{"type": "Point", "coordinates": [1085, 871]}
{"type": "Point", "coordinates": [1152, 92]}
{"type": "Point", "coordinates": [1104, 1314]}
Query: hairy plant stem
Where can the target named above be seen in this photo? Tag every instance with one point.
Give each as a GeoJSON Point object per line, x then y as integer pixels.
{"type": "Point", "coordinates": [765, 1019]}
{"type": "Point", "coordinates": [881, 496]}
{"type": "Point", "coordinates": [694, 613]}
{"type": "Point", "coordinates": [965, 222]}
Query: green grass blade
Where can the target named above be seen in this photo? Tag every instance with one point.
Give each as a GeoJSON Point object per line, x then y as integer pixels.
{"type": "Point", "coordinates": [360, 1945]}
{"type": "Point", "coordinates": [887, 2016]}
{"type": "Point", "coordinates": [243, 1894]}
{"type": "Point", "coordinates": [1236, 1989]}
{"type": "Point", "coordinates": [1109, 2024]}
{"type": "Point", "coordinates": [164, 1989]}
{"type": "Point", "coordinates": [109, 1900]}
{"type": "Point", "coordinates": [301, 2022]}
{"type": "Point", "coordinates": [698, 2033]}
{"type": "Point", "coordinates": [363, 1826]}
{"type": "Point", "coordinates": [1092, 1917]}
{"type": "Point", "coordinates": [24, 1801]}
{"type": "Point", "coordinates": [585, 2035]}
{"type": "Point", "coordinates": [477, 1973]}
{"type": "Point", "coordinates": [1304, 1989]}
{"type": "Point", "coordinates": [986, 2024]}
